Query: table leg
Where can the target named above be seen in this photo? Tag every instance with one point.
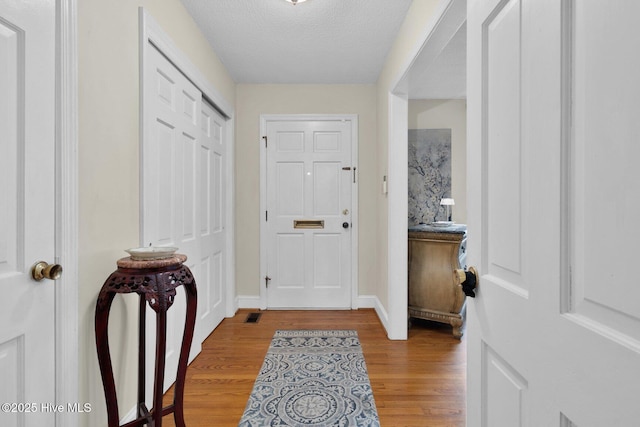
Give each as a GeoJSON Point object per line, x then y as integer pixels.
{"type": "Point", "coordinates": [104, 358]}
{"type": "Point", "coordinates": [161, 347]}
{"type": "Point", "coordinates": [187, 338]}
{"type": "Point", "coordinates": [142, 345]}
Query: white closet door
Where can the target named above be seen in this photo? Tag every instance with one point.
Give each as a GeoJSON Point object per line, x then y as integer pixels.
{"type": "Point", "coordinates": [183, 196]}
{"type": "Point", "coordinates": [173, 111]}
{"type": "Point", "coordinates": [211, 161]}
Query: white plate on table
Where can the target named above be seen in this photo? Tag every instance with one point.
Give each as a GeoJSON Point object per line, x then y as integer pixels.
{"type": "Point", "coordinates": [151, 253]}
{"type": "Point", "coordinates": [441, 223]}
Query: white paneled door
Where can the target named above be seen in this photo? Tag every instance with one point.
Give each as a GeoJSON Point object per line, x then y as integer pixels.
{"type": "Point", "coordinates": [184, 182]}
{"type": "Point", "coordinates": [27, 179]}
{"type": "Point", "coordinates": [308, 218]}
{"type": "Point", "coordinates": [211, 188]}
{"type": "Point", "coordinates": [554, 333]}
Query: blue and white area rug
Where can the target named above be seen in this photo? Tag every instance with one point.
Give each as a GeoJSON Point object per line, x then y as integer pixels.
{"type": "Point", "coordinates": [312, 378]}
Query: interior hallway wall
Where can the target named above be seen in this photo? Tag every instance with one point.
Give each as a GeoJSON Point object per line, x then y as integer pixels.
{"type": "Point", "coordinates": [252, 100]}
{"type": "Point", "coordinates": [109, 187]}
{"type": "Point", "coordinates": [410, 37]}
{"type": "Point", "coordinates": [447, 114]}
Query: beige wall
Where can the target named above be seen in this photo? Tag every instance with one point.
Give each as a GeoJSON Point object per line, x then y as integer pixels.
{"type": "Point", "coordinates": [109, 170]}
{"type": "Point", "coordinates": [254, 100]}
{"type": "Point", "coordinates": [405, 45]}
{"type": "Point", "coordinates": [447, 114]}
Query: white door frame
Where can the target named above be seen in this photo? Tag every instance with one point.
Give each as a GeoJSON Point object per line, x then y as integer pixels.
{"type": "Point", "coordinates": [66, 234]}
{"type": "Point", "coordinates": [432, 37]}
{"type": "Point", "coordinates": [264, 118]}
{"type": "Point", "coordinates": [152, 32]}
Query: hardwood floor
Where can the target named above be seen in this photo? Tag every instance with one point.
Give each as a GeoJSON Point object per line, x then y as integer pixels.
{"type": "Point", "coordinates": [419, 382]}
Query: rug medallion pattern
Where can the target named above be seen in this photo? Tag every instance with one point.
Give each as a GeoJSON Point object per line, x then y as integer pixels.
{"type": "Point", "coordinates": [312, 378]}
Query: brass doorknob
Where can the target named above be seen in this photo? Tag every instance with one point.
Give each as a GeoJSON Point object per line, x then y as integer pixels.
{"type": "Point", "coordinates": [42, 270]}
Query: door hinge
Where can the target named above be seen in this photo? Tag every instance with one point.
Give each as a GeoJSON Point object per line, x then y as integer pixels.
{"type": "Point", "coordinates": [267, 279]}
{"type": "Point", "coordinates": [266, 215]}
{"type": "Point", "coordinates": [265, 141]}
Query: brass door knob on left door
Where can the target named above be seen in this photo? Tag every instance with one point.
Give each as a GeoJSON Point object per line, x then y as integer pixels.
{"type": "Point", "coordinates": [42, 270]}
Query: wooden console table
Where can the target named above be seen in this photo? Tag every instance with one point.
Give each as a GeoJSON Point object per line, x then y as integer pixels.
{"type": "Point", "coordinates": [435, 292]}
{"type": "Point", "coordinates": [155, 281]}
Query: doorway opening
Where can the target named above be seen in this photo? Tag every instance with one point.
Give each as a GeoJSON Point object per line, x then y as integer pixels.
{"type": "Point", "coordinates": [429, 94]}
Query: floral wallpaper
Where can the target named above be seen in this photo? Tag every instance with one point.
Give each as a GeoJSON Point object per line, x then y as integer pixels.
{"type": "Point", "coordinates": [429, 174]}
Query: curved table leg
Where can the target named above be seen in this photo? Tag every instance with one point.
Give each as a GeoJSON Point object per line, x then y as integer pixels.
{"type": "Point", "coordinates": [104, 358]}
{"type": "Point", "coordinates": [187, 338]}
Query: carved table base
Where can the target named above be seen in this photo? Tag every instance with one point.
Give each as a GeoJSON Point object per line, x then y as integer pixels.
{"type": "Point", "coordinates": [155, 282]}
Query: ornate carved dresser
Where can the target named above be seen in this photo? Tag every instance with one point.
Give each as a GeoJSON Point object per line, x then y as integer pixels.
{"type": "Point", "coordinates": [435, 293]}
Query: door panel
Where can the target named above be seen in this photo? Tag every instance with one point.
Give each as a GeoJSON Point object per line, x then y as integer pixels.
{"type": "Point", "coordinates": [326, 189]}
{"type": "Point", "coordinates": [169, 186]}
{"type": "Point", "coordinates": [603, 162]}
{"type": "Point", "coordinates": [290, 256]}
{"type": "Point", "coordinates": [503, 143]}
{"type": "Point", "coordinates": [309, 264]}
{"type": "Point", "coordinates": [27, 222]}
{"type": "Point", "coordinates": [210, 209]}
{"type": "Point", "coordinates": [552, 95]}
{"type": "Point", "coordinates": [506, 397]}
{"type": "Point", "coordinates": [327, 249]}
{"type": "Point", "coordinates": [290, 189]}
{"type": "Point", "coordinates": [184, 193]}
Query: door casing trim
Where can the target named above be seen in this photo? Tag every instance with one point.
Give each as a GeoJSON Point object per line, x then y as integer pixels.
{"type": "Point", "coordinates": [264, 119]}
{"type": "Point", "coordinates": [66, 211]}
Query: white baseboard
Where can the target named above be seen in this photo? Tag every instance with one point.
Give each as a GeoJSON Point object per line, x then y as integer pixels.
{"type": "Point", "coordinates": [364, 301]}
{"type": "Point", "coordinates": [131, 415]}
{"type": "Point", "coordinates": [382, 315]}
{"type": "Point", "coordinates": [367, 301]}
{"type": "Point", "coordinates": [248, 301]}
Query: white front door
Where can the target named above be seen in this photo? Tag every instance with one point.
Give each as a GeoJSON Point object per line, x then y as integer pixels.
{"type": "Point", "coordinates": [27, 223]}
{"type": "Point", "coordinates": [308, 217]}
{"type": "Point", "coordinates": [554, 333]}
{"type": "Point", "coordinates": [184, 183]}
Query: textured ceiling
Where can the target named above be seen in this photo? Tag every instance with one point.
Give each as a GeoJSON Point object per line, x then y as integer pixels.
{"type": "Point", "coordinates": [319, 41]}
{"type": "Point", "coordinates": [444, 75]}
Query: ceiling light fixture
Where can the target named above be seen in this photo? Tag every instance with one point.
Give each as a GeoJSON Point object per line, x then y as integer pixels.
{"type": "Point", "coordinates": [295, 2]}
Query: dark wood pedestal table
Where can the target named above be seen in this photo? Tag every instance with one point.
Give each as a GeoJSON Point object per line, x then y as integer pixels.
{"type": "Point", "coordinates": [155, 281]}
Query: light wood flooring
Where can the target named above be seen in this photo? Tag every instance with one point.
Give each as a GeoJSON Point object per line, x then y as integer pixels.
{"type": "Point", "coordinates": [419, 382]}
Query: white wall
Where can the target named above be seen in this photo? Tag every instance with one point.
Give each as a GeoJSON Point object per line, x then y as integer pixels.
{"type": "Point", "coordinates": [252, 101]}
{"type": "Point", "coordinates": [447, 114]}
{"type": "Point", "coordinates": [409, 39]}
{"type": "Point", "coordinates": [109, 171]}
